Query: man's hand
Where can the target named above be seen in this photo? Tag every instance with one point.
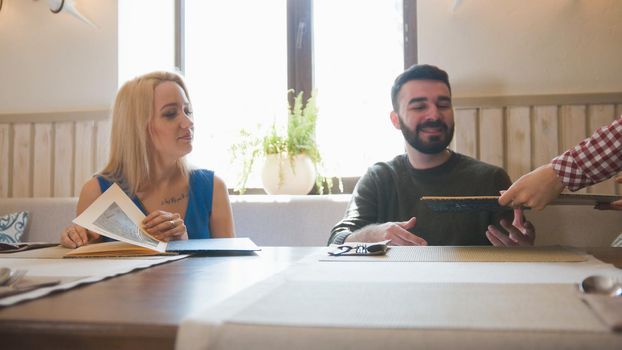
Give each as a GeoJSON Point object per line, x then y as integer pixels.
{"type": "Point", "coordinates": [516, 237]}
{"type": "Point", "coordinates": [397, 232]}
{"type": "Point", "coordinates": [535, 189]}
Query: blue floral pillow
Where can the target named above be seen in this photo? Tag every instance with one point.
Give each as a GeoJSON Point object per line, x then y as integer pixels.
{"type": "Point", "coordinates": [12, 226]}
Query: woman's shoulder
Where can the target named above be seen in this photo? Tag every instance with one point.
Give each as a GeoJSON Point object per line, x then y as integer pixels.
{"type": "Point", "coordinates": [201, 173]}
{"type": "Point", "coordinates": [206, 177]}
{"type": "Point", "coordinates": [89, 193]}
{"type": "Point", "coordinates": [104, 183]}
{"type": "Point", "coordinates": [201, 178]}
{"type": "Point", "coordinates": [93, 185]}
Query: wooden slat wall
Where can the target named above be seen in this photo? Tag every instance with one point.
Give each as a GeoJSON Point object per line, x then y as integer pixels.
{"type": "Point", "coordinates": [521, 138]}
{"type": "Point", "coordinates": [491, 134]}
{"type": "Point", "coordinates": [573, 128]}
{"type": "Point", "coordinates": [22, 167]}
{"type": "Point", "coordinates": [63, 160]}
{"type": "Point", "coordinates": [51, 154]}
{"type": "Point", "coordinates": [42, 165]}
{"type": "Point", "coordinates": [601, 115]}
{"type": "Point", "coordinates": [465, 134]}
{"type": "Point", "coordinates": [83, 151]}
{"type": "Point", "coordinates": [102, 143]}
{"type": "Point", "coordinates": [518, 141]}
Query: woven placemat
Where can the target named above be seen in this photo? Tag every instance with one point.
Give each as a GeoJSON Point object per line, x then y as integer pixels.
{"type": "Point", "coordinates": [469, 254]}
{"type": "Point", "coordinates": [536, 307]}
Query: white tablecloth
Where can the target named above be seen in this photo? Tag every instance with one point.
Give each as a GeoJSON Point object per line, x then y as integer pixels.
{"type": "Point", "coordinates": [48, 264]}
{"type": "Point", "coordinates": [308, 305]}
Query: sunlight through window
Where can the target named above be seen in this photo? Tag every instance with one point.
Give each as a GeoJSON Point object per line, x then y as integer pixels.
{"type": "Point", "coordinates": [357, 54]}
{"type": "Point", "coordinates": [236, 69]}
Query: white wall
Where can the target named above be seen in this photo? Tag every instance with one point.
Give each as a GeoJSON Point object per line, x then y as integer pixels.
{"type": "Point", "coordinates": [512, 47]}
{"type": "Point", "coordinates": [54, 62]}
{"type": "Point", "coordinates": [524, 47]}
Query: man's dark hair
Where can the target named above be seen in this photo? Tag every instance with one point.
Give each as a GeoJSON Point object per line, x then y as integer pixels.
{"type": "Point", "coordinates": [417, 72]}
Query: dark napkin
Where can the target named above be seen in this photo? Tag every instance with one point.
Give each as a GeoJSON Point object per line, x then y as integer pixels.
{"type": "Point", "coordinates": [18, 247]}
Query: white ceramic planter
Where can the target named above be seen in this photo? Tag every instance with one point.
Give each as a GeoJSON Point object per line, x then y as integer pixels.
{"type": "Point", "coordinates": [279, 177]}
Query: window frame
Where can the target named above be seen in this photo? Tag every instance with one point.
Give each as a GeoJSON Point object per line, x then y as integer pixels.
{"type": "Point", "coordinates": [300, 54]}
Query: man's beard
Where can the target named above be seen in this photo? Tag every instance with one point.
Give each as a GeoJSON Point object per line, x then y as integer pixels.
{"type": "Point", "coordinates": [436, 144]}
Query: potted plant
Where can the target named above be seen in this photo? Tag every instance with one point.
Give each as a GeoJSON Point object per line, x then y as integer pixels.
{"type": "Point", "coordinates": [291, 159]}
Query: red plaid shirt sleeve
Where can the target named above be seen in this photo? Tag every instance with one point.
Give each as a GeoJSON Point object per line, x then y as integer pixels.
{"type": "Point", "coordinates": [595, 159]}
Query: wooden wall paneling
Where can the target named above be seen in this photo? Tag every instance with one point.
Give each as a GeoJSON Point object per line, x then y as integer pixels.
{"type": "Point", "coordinates": [545, 135]}
{"type": "Point", "coordinates": [102, 143]}
{"type": "Point", "coordinates": [572, 127]}
{"type": "Point", "coordinates": [465, 132]}
{"type": "Point", "coordinates": [599, 116]}
{"type": "Point", "coordinates": [5, 139]}
{"type": "Point", "coordinates": [518, 141]}
{"type": "Point", "coordinates": [491, 136]}
{"type": "Point", "coordinates": [42, 173]}
{"type": "Point", "coordinates": [22, 149]}
{"type": "Point", "coordinates": [63, 159]}
{"type": "Point", "coordinates": [84, 154]}
{"type": "Point", "coordinates": [53, 154]}
{"type": "Point", "coordinates": [452, 144]}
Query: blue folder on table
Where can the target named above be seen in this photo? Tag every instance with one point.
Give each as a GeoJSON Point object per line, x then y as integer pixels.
{"type": "Point", "coordinates": [238, 245]}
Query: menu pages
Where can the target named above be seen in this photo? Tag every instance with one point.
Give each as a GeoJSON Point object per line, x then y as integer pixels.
{"type": "Point", "coordinates": [114, 215]}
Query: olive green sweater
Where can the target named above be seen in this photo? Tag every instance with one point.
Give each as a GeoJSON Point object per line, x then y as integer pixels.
{"type": "Point", "coordinates": [390, 192]}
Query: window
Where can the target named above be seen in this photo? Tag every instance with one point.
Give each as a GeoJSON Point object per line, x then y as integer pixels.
{"type": "Point", "coordinates": [149, 46]}
{"type": "Point", "coordinates": [356, 57]}
{"type": "Point", "coordinates": [241, 57]}
{"type": "Point", "coordinates": [235, 60]}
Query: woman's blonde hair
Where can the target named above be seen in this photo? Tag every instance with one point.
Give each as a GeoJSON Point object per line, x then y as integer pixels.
{"type": "Point", "coordinates": [131, 150]}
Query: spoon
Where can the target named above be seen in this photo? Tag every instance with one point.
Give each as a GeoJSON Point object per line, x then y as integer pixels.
{"type": "Point", "coordinates": [5, 274]}
{"type": "Point", "coordinates": [601, 285]}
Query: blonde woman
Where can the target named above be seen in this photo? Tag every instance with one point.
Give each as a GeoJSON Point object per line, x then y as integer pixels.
{"type": "Point", "coordinates": [152, 132]}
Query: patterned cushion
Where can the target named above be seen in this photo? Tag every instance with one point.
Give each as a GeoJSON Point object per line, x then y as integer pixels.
{"type": "Point", "coordinates": [12, 226]}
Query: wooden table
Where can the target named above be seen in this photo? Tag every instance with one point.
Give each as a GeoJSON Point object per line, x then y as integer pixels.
{"type": "Point", "coordinates": [143, 309]}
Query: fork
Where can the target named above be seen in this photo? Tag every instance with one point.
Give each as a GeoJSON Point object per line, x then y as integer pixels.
{"type": "Point", "coordinates": [15, 278]}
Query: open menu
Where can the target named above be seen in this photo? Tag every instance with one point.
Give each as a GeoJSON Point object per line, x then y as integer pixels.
{"type": "Point", "coordinates": [114, 215]}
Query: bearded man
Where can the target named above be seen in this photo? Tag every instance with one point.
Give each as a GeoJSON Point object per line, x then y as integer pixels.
{"type": "Point", "coordinates": [386, 202]}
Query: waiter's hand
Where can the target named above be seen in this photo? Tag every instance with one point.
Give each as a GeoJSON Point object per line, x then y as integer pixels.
{"type": "Point", "coordinates": [534, 190]}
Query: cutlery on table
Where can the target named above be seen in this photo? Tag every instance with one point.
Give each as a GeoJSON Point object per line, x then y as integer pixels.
{"type": "Point", "coordinates": [603, 285]}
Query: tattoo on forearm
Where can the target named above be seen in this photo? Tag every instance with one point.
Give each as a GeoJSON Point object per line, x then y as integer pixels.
{"type": "Point", "coordinates": [173, 200]}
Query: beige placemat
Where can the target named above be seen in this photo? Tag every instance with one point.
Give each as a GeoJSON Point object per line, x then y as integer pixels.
{"type": "Point", "coordinates": [535, 307]}
{"type": "Point", "coordinates": [243, 336]}
{"type": "Point", "coordinates": [469, 254]}
{"type": "Point", "coordinates": [608, 309]}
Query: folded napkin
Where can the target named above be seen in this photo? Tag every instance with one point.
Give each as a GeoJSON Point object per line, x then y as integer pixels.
{"type": "Point", "coordinates": [18, 247]}
{"type": "Point", "coordinates": [608, 309]}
